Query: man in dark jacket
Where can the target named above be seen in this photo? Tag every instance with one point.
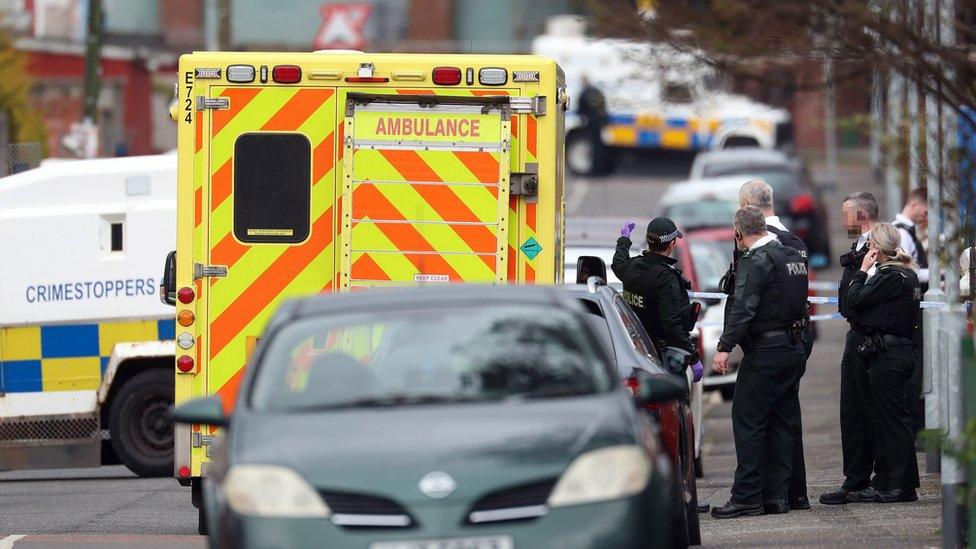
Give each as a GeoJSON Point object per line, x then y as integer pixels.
{"type": "Point", "coordinates": [758, 193]}
{"type": "Point", "coordinates": [658, 292]}
{"type": "Point", "coordinates": [769, 307]}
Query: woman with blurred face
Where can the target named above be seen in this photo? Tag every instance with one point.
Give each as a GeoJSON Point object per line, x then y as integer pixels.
{"type": "Point", "coordinates": [887, 314]}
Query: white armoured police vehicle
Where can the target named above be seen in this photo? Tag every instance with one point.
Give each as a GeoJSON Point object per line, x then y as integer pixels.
{"type": "Point", "coordinates": [86, 350]}
{"type": "Point", "coordinates": [656, 98]}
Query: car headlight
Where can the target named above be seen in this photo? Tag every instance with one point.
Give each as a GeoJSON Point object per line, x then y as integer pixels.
{"type": "Point", "coordinates": [614, 472]}
{"type": "Point", "coordinates": [271, 491]}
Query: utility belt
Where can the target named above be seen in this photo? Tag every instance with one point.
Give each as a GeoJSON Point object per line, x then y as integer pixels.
{"type": "Point", "coordinates": [876, 343]}
{"type": "Point", "coordinates": [797, 333]}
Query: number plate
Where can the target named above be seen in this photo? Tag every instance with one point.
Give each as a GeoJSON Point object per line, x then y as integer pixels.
{"type": "Point", "coordinates": [484, 542]}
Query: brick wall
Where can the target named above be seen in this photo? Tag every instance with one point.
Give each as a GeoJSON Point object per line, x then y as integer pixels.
{"type": "Point", "coordinates": [181, 23]}
{"type": "Point", "coordinates": [431, 20]}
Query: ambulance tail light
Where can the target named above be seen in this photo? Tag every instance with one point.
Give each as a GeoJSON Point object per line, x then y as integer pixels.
{"type": "Point", "coordinates": [185, 364]}
{"type": "Point", "coordinates": [286, 74]}
{"type": "Point", "coordinates": [185, 295]}
{"type": "Point", "coordinates": [446, 76]}
{"type": "Point", "coordinates": [185, 317]}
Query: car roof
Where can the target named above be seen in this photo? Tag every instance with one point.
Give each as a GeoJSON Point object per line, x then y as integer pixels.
{"type": "Point", "coordinates": [447, 294]}
{"type": "Point", "coordinates": [711, 234]}
{"type": "Point", "coordinates": [740, 155]}
{"type": "Point", "coordinates": [724, 188]}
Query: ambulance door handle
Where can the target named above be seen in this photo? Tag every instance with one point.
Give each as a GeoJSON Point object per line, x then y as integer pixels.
{"type": "Point", "coordinates": [209, 271]}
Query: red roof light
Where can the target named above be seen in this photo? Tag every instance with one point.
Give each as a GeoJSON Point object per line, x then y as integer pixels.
{"type": "Point", "coordinates": [286, 74]}
{"type": "Point", "coordinates": [446, 76]}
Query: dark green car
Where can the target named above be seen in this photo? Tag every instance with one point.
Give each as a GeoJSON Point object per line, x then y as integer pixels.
{"type": "Point", "coordinates": [447, 417]}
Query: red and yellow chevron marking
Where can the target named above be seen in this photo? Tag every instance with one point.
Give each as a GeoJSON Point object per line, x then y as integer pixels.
{"type": "Point", "coordinates": [426, 211]}
{"type": "Point", "coordinates": [259, 276]}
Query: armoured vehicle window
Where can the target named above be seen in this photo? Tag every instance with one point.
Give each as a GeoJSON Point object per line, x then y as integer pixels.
{"type": "Point", "coordinates": [272, 187]}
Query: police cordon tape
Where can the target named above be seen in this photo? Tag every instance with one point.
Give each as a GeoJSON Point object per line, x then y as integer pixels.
{"type": "Point", "coordinates": [818, 299]}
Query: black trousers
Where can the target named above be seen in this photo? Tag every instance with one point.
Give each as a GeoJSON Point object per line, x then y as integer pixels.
{"type": "Point", "coordinates": [890, 372]}
{"type": "Point", "coordinates": [798, 476]}
{"type": "Point", "coordinates": [763, 418]}
{"type": "Point", "coordinates": [913, 391]}
{"type": "Point", "coordinates": [858, 429]}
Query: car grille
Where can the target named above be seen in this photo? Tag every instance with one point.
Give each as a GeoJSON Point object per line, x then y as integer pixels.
{"type": "Point", "coordinates": [517, 503]}
{"type": "Point", "coordinates": [365, 511]}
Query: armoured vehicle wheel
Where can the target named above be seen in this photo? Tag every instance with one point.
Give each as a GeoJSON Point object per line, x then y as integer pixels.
{"type": "Point", "coordinates": [140, 423]}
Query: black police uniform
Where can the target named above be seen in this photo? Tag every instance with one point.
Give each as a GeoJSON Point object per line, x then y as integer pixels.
{"type": "Point", "coordinates": [913, 394]}
{"type": "Point", "coordinates": [885, 314]}
{"type": "Point", "coordinates": [593, 110]}
{"type": "Point", "coordinates": [769, 302]}
{"type": "Point", "coordinates": [857, 412]}
{"type": "Point", "coordinates": [798, 478]}
{"type": "Point", "coordinates": [658, 292]}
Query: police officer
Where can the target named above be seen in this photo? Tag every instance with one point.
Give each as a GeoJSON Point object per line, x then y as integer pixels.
{"type": "Point", "coordinates": [885, 310]}
{"type": "Point", "coordinates": [592, 109]}
{"type": "Point", "coordinates": [658, 292]}
{"type": "Point", "coordinates": [758, 193]}
{"type": "Point", "coordinates": [915, 213]}
{"type": "Point", "coordinates": [857, 429]}
{"type": "Point", "coordinates": [769, 306]}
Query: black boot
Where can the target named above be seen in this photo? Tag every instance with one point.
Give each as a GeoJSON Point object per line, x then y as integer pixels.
{"type": "Point", "coordinates": [732, 510]}
{"type": "Point", "coordinates": [799, 503]}
{"type": "Point", "coordinates": [867, 495]}
{"type": "Point", "coordinates": [898, 495]}
{"type": "Point", "coordinates": [839, 496]}
{"type": "Point", "coordinates": [775, 506]}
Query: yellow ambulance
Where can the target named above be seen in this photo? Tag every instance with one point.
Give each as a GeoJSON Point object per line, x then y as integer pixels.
{"type": "Point", "coordinates": [333, 171]}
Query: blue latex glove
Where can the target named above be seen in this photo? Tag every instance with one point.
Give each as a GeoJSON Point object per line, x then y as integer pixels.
{"type": "Point", "coordinates": [699, 370]}
{"type": "Point", "coordinates": [627, 229]}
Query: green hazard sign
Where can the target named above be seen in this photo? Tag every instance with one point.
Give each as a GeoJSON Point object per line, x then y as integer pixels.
{"type": "Point", "coordinates": [531, 248]}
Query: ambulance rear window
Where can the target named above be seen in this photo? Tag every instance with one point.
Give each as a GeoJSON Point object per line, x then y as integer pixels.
{"type": "Point", "coordinates": [272, 187]}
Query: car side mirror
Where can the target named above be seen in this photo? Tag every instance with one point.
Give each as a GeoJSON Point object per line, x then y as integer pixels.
{"type": "Point", "coordinates": [657, 388]}
{"type": "Point", "coordinates": [590, 265]}
{"type": "Point", "coordinates": [167, 288]}
{"type": "Point", "coordinates": [203, 411]}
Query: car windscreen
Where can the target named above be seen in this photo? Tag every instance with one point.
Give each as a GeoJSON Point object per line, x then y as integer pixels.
{"type": "Point", "coordinates": [701, 213]}
{"type": "Point", "coordinates": [711, 260]}
{"type": "Point", "coordinates": [429, 355]}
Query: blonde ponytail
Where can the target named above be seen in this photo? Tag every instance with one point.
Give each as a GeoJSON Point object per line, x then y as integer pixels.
{"type": "Point", "coordinates": [887, 240]}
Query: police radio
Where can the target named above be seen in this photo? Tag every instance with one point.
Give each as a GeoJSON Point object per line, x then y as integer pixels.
{"type": "Point", "coordinates": [853, 258]}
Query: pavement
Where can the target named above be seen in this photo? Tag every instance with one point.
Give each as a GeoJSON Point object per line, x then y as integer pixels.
{"type": "Point", "coordinates": [110, 507]}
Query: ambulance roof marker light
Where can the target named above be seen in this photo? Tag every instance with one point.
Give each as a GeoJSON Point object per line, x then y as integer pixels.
{"type": "Point", "coordinates": [240, 74]}
{"type": "Point", "coordinates": [446, 76]}
{"type": "Point", "coordinates": [492, 76]}
{"type": "Point", "coordinates": [365, 75]}
{"type": "Point", "coordinates": [286, 74]}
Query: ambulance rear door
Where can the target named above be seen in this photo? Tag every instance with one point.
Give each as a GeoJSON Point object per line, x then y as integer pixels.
{"type": "Point", "coordinates": [425, 190]}
{"type": "Point", "coordinates": [270, 228]}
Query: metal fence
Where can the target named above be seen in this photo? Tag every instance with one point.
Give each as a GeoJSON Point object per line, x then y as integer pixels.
{"type": "Point", "coordinates": [18, 157]}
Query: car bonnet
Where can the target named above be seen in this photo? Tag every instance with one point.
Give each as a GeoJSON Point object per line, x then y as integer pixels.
{"type": "Point", "coordinates": [482, 446]}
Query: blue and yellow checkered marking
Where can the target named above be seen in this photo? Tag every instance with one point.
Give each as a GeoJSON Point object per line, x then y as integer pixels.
{"type": "Point", "coordinates": [68, 357]}
{"type": "Point", "coordinates": [648, 131]}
